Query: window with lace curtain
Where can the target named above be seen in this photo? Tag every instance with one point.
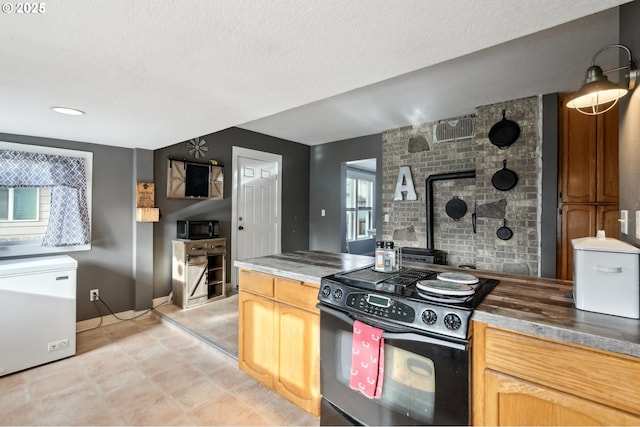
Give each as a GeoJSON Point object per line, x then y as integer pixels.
{"type": "Point", "coordinates": [45, 199]}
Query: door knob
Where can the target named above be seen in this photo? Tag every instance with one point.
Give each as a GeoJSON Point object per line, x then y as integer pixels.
{"type": "Point", "coordinates": [241, 228]}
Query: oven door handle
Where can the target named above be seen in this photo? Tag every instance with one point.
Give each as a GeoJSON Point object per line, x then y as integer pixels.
{"type": "Point", "coordinates": [410, 336]}
{"type": "Point", "coordinates": [406, 336]}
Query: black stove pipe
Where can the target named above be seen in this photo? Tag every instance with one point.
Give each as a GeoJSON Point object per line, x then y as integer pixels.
{"type": "Point", "coordinates": [429, 182]}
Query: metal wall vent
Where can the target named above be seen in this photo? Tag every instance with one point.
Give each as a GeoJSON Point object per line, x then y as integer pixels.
{"type": "Point", "coordinates": [453, 130]}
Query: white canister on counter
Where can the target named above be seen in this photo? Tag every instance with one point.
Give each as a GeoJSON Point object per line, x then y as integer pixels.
{"type": "Point", "coordinates": [606, 276]}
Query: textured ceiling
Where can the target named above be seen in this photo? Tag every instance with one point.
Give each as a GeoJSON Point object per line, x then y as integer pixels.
{"type": "Point", "coordinates": [154, 73]}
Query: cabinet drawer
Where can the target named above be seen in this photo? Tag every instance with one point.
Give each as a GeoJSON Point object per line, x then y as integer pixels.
{"type": "Point", "coordinates": [258, 283]}
{"type": "Point", "coordinates": [602, 377]}
{"type": "Point", "coordinates": [299, 294]}
{"type": "Point", "coordinates": [211, 247]}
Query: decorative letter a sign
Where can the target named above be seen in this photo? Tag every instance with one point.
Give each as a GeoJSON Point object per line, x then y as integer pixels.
{"type": "Point", "coordinates": [405, 185]}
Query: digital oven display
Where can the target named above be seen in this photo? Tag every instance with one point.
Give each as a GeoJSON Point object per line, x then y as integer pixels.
{"type": "Point", "coordinates": [378, 300]}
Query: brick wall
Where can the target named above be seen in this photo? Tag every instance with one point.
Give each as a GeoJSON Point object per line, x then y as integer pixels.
{"type": "Point", "coordinates": [406, 224]}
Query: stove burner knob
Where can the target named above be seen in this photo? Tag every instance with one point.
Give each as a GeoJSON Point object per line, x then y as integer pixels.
{"type": "Point", "coordinates": [429, 317]}
{"type": "Point", "coordinates": [326, 291]}
{"type": "Point", "coordinates": [452, 321]}
{"type": "Point", "coordinates": [337, 294]}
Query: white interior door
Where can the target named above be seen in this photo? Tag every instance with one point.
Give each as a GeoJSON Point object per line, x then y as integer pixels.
{"type": "Point", "coordinates": [256, 207]}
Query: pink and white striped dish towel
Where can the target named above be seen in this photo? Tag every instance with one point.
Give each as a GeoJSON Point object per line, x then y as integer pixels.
{"type": "Point", "coordinates": [367, 360]}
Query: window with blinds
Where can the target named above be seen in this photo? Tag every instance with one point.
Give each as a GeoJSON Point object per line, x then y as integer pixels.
{"type": "Point", "coordinates": [19, 204]}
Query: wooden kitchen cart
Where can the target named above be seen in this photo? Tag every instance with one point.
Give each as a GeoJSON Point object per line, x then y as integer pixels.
{"type": "Point", "coordinates": [198, 271]}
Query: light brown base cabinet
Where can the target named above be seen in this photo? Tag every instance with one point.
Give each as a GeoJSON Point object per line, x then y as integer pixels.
{"type": "Point", "coordinates": [279, 341]}
{"type": "Point", "coordinates": [519, 379]}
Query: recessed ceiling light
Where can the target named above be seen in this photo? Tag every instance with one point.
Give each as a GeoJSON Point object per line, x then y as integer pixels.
{"type": "Point", "coordinates": [68, 111]}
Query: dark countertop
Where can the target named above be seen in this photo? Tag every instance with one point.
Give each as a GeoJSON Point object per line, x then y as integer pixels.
{"type": "Point", "coordinates": [545, 307]}
{"type": "Point", "coordinates": [542, 307]}
{"type": "Point", "coordinates": [307, 266]}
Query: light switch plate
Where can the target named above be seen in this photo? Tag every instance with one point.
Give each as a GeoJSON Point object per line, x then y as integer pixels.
{"type": "Point", "coordinates": [624, 222]}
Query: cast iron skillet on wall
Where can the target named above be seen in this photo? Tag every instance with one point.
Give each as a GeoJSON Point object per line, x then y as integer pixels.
{"type": "Point", "coordinates": [504, 133]}
{"type": "Point", "coordinates": [504, 179]}
{"type": "Point", "coordinates": [456, 208]}
{"type": "Point", "coordinates": [504, 232]}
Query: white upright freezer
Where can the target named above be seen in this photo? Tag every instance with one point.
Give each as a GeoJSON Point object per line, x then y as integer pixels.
{"type": "Point", "coordinates": [37, 311]}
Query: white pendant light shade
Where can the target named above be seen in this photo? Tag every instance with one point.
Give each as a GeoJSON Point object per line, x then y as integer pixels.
{"type": "Point", "coordinates": [597, 94]}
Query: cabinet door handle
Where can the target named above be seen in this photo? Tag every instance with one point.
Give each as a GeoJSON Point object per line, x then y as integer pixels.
{"type": "Point", "coordinates": [607, 269]}
{"type": "Point", "coordinates": [241, 228]}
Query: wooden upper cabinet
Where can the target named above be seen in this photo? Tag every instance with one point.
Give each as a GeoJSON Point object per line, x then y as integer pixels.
{"type": "Point", "coordinates": [589, 156]}
{"type": "Point", "coordinates": [608, 175]}
{"type": "Point", "coordinates": [608, 219]}
{"type": "Point", "coordinates": [588, 180]}
{"type": "Point", "coordinates": [578, 156]}
{"type": "Point", "coordinates": [190, 180]}
{"type": "Point", "coordinates": [577, 220]}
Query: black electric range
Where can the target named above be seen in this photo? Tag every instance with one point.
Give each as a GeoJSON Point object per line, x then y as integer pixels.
{"type": "Point", "coordinates": [394, 298]}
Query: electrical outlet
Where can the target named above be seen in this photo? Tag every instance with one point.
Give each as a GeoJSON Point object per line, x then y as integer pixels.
{"type": "Point", "coordinates": [94, 295]}
{"type": "Point", "coordinates": [624, 222]}
{"type": "Point", "coordinates": [58, 345]}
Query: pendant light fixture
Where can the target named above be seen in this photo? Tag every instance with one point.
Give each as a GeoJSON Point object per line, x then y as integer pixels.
{"type": "Point", "coordinates": [597, 94]}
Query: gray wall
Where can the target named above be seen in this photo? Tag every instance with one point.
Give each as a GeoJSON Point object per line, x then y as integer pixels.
{"type": "Point", "coordinates": [630, 125]}
{"type": "Point", "coordinates": [549, 215]}
{"type": "Point", "coordinates": [295, 194]}
{"type": "Point", "coordinates": [326, 177]}
{"type": "Point", "coordinates": [130, 262]}
{"type": "Point", "coordinates": [143, 235]}
{"type": "Point", "coordinates": [109, 265]}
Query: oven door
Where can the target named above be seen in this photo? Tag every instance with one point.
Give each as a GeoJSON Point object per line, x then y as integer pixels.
{"type": "Point", "coordinates": [426, 380]}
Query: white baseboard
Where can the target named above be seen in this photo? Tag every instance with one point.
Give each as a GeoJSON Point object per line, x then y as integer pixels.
{"type": "Point", "coordinates": [85, 325]}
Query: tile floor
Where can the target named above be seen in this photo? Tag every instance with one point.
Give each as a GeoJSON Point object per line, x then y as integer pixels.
{"type": "Point", "coordinates": [142, 372]}
{"type": "Point", "coordinates": [215, 322]}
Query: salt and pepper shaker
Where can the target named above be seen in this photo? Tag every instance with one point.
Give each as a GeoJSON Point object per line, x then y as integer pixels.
{"type": "Point", "coordinates": [387, 258]}
{"type": "Point", "coordinates": [379, 265]}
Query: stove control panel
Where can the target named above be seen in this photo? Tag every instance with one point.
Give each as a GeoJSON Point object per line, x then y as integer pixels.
{"type": "Point", "coordinates": [380, 306]}
{"type": "Point", "coordinates": [424, 315]}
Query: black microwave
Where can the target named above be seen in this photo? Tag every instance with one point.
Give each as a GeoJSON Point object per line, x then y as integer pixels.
{"type": "Point", "coordinates": [194, 230]}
